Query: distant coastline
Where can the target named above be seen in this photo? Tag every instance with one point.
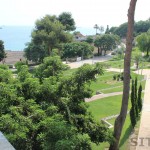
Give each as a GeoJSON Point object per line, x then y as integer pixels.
{"type": "Point", "coordinates": [16, 37]}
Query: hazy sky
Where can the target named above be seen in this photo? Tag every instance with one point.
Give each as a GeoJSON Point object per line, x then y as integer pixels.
{"type": "Point", "coordinates": [86, 13]}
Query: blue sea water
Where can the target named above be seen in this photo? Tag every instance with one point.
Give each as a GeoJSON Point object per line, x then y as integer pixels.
{"type": "Point", "coordinates": [16, 37]}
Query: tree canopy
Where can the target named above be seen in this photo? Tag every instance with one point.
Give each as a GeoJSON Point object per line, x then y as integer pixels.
{"type": "Point", "coordinates": [2, 51]}
{"type": "Point", "coordinates": [49, 33]}
{"type": "Point", "coordinates": [77, 49]}
{"type": "Point", "coordinates": [143, 42]}
{"type": "Point", "coordinates": [66, 19]}
{"type": "Point", "coordinates": [139, 27]}
{"type": "Point", "coordinates": [106, 42]}
{"type": "Point", "coordinates": [51, 114]}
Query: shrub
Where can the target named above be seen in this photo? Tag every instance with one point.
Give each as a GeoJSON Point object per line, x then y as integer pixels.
{"type": "Point", "coordinates": [114, 77]}
{"type": "Point", "coordinates": [19, 64]}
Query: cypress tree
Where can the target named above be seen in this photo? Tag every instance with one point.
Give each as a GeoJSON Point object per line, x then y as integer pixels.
{"type": "Point", "coordinates": [133, 117]}
{"type": "Point", "coordinates": [140, 98]}
{"type": "Point", "coordinates": [132, 110]}
{"type": "Point", "coordinates": [132, 94]}
{"type": "Point", "coordinates": [135, 97]}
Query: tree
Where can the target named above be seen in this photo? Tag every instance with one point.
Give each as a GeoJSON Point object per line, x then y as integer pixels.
{"type": "Point", "coordinates": [142, 26]}
{"type": "Point", "coordinates": [34, 52]}
{"type": "Point", "coordinates": [137, 58]}
{"type": "Point", "coordinates": [66, 19]}
{"type": "Point", "coordinates": [52, 66]}
{"type": "Point", "coordinates": [136, 101]}
{"type": "Point", "coordinates": [121, 30]}
{"type": "Point", "coordinates": [101, 29]}
{"type": "Point", "coordinates": [143, 42]}
{"type": "Point", "coordinates": [96, 27]}
{"type": "Point", "coordinates": [77, 49]}
{"type": "Point", "coordinates": [2, 52]}
{"type": "Point", "coordinates": [119, 122]}
{"type": "Point", "coordinates": [50, 32]}
{"type": "Point", "coordinates": [51, 114]}
{"type": "Point", "coordinates": [107, 30]}
{"type": "Point", "coordinates": [139, 27]}
{"type": "Point", "coordinates": [89, 39]}
{"type": "Point", "coordinates": [140, 98]}
{"type": "Point", "coordinates": [133, 117]}
{"type": "Point", "coordinates": [106, 42]}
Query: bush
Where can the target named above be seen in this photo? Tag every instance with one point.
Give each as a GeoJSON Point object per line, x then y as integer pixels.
{"type": "Point", "coordinates": [19, 64]}
{"type": "Point", "coordinates": [148, 59]}
{"type": "Point", "coordinates": [114, 77]}
{"type": "Point", "coordinates": [77, 49]}
{"type": "Point", "coordinates": [5, 67]}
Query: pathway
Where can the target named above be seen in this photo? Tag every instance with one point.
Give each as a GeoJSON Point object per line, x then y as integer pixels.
{"type": "Point", "coordinates": [89, 61]}
{"type": "Point", "coordinates": [99, 96]}
{"type": "Point", "coordinates": [143, 142]}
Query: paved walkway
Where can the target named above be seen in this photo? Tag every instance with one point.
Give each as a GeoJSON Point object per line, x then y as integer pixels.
{"type": "Point", "coordinates": [99, 96]}
{"type": "Point", "coordinates": [89, 61]}
{"type": "Point", "coordinates": [144, 131]}
{"type": "Point", "coordinates": [4, 143]}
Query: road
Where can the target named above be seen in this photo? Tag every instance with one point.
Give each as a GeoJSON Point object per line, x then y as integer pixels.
{"type": "Point", "coordinates": [89, 61]}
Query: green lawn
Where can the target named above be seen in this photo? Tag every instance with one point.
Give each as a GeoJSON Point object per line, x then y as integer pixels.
{"type": "Point", "coordinates": [106, 84]}
{"type": "Point", "coordinates": [107, 107]}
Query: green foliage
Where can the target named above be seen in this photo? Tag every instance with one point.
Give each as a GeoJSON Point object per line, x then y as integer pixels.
{"type": "Point", "coordinates": [142, 26]}
{"type": "Point", "coordinates": [137, 57]}
{"type": "Point", "coordinates": [67, 21]}
{"type": "Point", "coordinates": [106, 42]}
{"type": "Point", "coordinates": [23, 73]}
{"type": "Point", "coordinates": [140, 98]}
{"type": "Point", "coordinates": [2, 51]}
{"type": "Point", "coordinates": [133, 102]}
{"type": "Point", "coordinates": [139, 27]}
{"type": "Point", "coordinates": [80, 49]}
{"type": "Point", "coordinates": [49, 33]}
{"type": "Point", "coordinates": [51, 114]}
{"type": "Point", "coordinates": [5, 67]}
{"type": "Point", "coordinates": [107, 30]}
{"type": "Point", "coordinates": [120, 31]}
{"type": "Point", "coordinates": [19, 64]}
{"type": "Point", "coordinates": [133, 116]}
{"type": "Point", "coordinates": [51, 66]}
{"type": "Point", "coordinates": [5, 75]}
{"type": "Point", "coordinates": [143, 42]}
{"type": "Point", "coordinates": [118, 77]}
{"type": "Point", "coordinates": [136, 100]}
{"type": "Point", "coordinates": [89, 39]}
{"type": "Point", "coordinates": [34, 52]}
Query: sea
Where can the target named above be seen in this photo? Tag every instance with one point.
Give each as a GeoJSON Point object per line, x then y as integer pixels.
{"type": "Point", "coordinates": [15, 38]}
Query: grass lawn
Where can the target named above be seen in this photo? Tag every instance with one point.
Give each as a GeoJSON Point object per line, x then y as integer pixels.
{"type": "Point", "coordinates": [106, 84]}
{"type": "Point", "coordinates": [107, 107]}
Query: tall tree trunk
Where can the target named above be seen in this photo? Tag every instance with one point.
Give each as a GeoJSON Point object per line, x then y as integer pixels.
{"type": "Point", "coordinates": [147, 51]}
{"type": "Point", "coordinates": [119, 122]}
{"type": "Point", "coordinates": [98, 51]}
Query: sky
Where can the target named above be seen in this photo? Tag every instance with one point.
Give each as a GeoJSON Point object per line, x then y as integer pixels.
{"type": "Point", "coordinates": [86, 13]}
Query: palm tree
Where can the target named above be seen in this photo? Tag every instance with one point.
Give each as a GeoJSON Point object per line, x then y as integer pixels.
{"type": "Point", "coordinates": [96, 27]}
{"type": "Point", "coordinates": [119, 122]}
{"type": "Point", "coordinates": [101, 29]}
